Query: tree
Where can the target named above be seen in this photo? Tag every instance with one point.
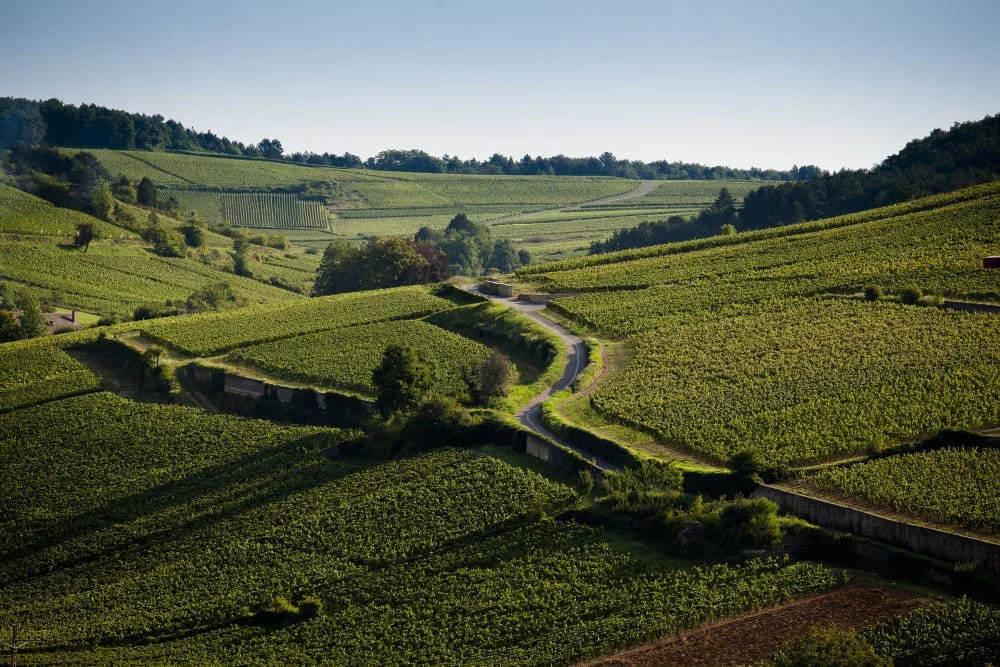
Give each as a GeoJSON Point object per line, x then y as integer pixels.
{"type": "Point", "coordinates": [489, 380]}
{"type": "Point", "coordinates": [166, 242]}
{"type": "Point", "coordinates": [271, 148]}
{"type": "Point", "coordinates": [146, 193]}
{"type": "Point", "coordinates": [504, 258]}
{"type": "Point", "coordinates": [400, 380]}
{"type": "Point", "coordinates": [33, 323]}
{"type": "Point", "coordinates": [9, 329]}
{"type": "Point", "coordinates": [524, 257]}
{"type": "Point", "coordinates": [241, 264]}
{"type": "Point", "coordinates": [125, 191]}
{"type": "Point", "coordinates": [194, 235]}
{"type": "Point", "coordinates": [85, 233]}
{"type": "Point", "coordinates": [728, 229]}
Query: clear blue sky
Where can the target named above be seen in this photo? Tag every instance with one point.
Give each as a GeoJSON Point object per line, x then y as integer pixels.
{"type": "Point", "coordinates": [770, 84]}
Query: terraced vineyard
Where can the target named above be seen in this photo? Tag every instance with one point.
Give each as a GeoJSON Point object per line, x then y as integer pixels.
{"type": "Point", "coordinates": [739, 343]}
{"type": "Point", "coordinates": [249, 209]}
{"type": "Point", "coordinates": [118, 279]}
{"type": "Point", "coordinates": [345, 358]}
{"type": "Point", "coordinates": [23, 213]}
{"type": "Point", "coordinates": [212, 333]}
{"type": "Point", "coordinates": [955, 486]}
{"type": "Point", "coordinates": [37, 371]}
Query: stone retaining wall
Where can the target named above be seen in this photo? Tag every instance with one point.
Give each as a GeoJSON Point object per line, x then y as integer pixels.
{"type": "Point", "coordinates": [919, 539]}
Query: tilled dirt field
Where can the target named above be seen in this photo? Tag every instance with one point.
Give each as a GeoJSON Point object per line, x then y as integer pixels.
{"type": "Point", "coordinates": [758, 636]}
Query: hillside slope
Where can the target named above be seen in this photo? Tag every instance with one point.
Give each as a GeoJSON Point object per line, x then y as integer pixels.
{"type": "Point", "coordinates": [757, 342]}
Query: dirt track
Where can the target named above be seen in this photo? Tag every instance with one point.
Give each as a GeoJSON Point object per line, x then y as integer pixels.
{"type": "Point", "coordinates": [759, 635]}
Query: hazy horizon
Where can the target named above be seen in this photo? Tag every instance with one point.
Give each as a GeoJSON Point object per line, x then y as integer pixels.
{"type": "Point", "coordinates": [737, 85]}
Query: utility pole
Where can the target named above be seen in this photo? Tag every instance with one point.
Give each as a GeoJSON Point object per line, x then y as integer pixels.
{"type": "Point", "coordinates": [16, 645]}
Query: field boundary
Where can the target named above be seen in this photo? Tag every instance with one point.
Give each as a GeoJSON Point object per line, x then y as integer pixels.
{"type": "Point", "coordinates": [924, 540]}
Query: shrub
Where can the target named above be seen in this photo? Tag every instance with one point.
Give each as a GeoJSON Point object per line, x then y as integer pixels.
{"type": "Point", "coordinates": [310, 607]}
{"type": "Point", "coordinates": [830, 647]}
{"type": "Point", "coordinates": [750, 522]}
{"type": "Point", "coordinates": [282, 607]}
{"type": "Point", "coordinates": [873, 293]}
{"type": "Point", "coordinates": [910, 295]}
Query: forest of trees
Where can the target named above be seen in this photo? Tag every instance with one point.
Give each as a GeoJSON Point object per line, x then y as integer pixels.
{"type": "Point", "coordinates": [29, 122]}
{"type": "Point", "coordinates": [967, 154]}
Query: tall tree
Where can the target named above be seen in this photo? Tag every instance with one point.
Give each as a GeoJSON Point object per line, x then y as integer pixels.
{"type": "Point", "coordinates": [400, 380]}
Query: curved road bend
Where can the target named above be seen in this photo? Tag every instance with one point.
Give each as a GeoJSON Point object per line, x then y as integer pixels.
{"type": "Point", "coordinates": [576, 360]}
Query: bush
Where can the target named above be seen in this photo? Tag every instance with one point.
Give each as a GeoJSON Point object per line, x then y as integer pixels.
{"type": "Point", "coordinates": [874, 293]}
{"type": "Point", "coordinates": [437, 422]}
{"type": "Point", "coordinates": [310, 607]}
{"type": "Point", "coordinates": [830, 647]}
{"type": "Point", "coordinates": [283, 607]}
{"type": "Point", "coordinates": [910, 295]}
{"type": "Point", "coordinates": [750, 523]}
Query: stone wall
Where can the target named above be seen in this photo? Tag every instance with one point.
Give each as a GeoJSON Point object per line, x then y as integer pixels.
{"type": "Point", "coordinates": [919, 539]}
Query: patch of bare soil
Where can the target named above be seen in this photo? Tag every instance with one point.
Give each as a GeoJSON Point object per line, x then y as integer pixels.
{"type": "Point", "coordinates": [759, 635]}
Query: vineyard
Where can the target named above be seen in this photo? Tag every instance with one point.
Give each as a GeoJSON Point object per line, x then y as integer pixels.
{"type": "Point", "coordinates": [37, 372]}
{"type": "Point", "coordinates": [946, 633]}
{"type": "Point", "coordinates": [345, 358]}
{"type": "Point", "coordinates": [954, 486]}
{"type": "Point", "coordinates": [118, 279]}
{"type": "Point", "coordinates": [206, 518]}
{"type": "Point", "coordinates": [23, 213]}
{"type": "Point", "coordinates": [809, 381]}
{"type": "Point", "coordinates": [251, 209]}
{"type": "Point", "coordinates": [752, 344]}
{"type": "Point", "coordinates": [213, 333]}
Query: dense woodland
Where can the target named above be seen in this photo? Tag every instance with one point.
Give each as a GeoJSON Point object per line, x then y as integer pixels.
{"type": "Point", "coordinates": [967, 154]}
{"type": "Point", "coordinates": [54, 123]}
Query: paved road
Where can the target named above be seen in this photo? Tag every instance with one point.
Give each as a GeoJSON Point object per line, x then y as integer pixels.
{"type": "Point", "coordinates": [645, 187]}
{"type": "Point", "coordinates": [576, 360]}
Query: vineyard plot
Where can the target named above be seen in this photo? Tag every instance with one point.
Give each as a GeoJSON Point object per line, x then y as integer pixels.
{"type": "Point", "coordinates": [251, 209]}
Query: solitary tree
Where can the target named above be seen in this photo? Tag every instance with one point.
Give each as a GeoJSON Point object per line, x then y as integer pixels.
{"type": "Point", "coordinates": [102, 203]}
{"type": "Point", "coordinates": [494, 376]}
{"type": "Point", "coordinates": [85, 233]}
{"type": "Point", "coordinates": [401, 380]}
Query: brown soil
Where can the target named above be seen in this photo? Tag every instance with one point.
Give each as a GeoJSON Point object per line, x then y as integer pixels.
{"type": "Point", "coordinates": [759, 635]}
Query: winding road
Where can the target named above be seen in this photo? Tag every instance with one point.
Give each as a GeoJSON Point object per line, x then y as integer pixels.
{"type": "Point", "coordinates": [530, 415]}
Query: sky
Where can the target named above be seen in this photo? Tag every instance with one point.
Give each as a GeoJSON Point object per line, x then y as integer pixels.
{"type": "Point", "coordinates": [767, 84]}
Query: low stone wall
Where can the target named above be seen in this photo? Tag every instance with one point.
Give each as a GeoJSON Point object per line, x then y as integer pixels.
{"type": "Point", "coordinates": [559, 458]}
{"type": "Point", "coordinates": [300, 404]}
{"type": "Point", "coordinates": [496, 287]}
{"type": "Point", "coordinates": [919, 539]}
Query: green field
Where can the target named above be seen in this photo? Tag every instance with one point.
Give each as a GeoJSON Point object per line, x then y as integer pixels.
{"type": "Point", "coordinates": [23, 213]}
{"type": "Point", "coordinates": [739, 342]}
{"type": "Point", "coordinates": [198, 521]}
{"type": "Point", "coordinates": [345, 358]}
{"type": "Point", "coordinates": [956, 486]}
{"type": "Point", "coordinates": [38, 371]}
{"type": "Point", "coordinates": [251, 209]}
{"type": "Point", "coordinates": [117, 278]}
{"type": "Point", "coordinates": [212, 333]}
